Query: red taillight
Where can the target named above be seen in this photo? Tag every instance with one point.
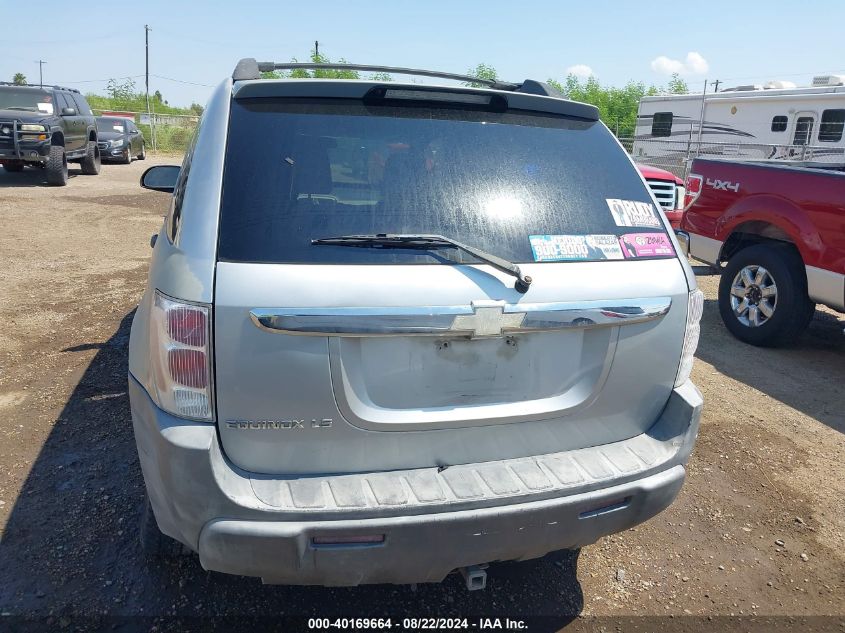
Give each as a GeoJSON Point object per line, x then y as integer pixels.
{"type": "Point", "coordinates": [180, 357]}
{"type": "Point", "coordinates": [694, 185]}
{"type": "Point", "coordinates": [187, 325]}
{"type": "Point", "coordinates": [188, 367]}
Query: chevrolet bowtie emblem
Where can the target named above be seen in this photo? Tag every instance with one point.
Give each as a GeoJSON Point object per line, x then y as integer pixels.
{"type": "Point", "coordinates": [488, 319]}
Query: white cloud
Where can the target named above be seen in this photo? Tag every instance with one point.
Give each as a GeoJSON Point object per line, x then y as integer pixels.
{"type": "Point", "coordinates": [694, 64]}
{"type": "Point", "coordinates": [580, 70]}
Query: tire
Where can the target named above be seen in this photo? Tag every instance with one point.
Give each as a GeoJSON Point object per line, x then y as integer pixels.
{"type": "Point", "coordinates": [13, 167]}
{"type": "Point", "coordinates": [127, 160]}
{"type": "Point", "coordinates": [763, 295]}
{"type": "Point", "coordinates": [91, 163]}
{"type": "Point", "coordinates": [143, 154]}
{"type": "Point", "coordinates": [154, 544]}
{"type": "Point", "coordinates": [57, 166]}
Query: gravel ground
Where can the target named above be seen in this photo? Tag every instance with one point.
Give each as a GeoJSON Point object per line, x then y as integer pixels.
{"type": "Point", "coordinates": [759, 528]}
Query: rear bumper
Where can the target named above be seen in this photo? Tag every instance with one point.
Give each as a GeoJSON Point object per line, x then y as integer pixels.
{"type": "Point", "coordinates": [431, 522]}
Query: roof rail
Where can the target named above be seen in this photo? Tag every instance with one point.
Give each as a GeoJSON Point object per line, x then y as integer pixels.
{"type": "Point", "coordinates": [10, 83]}
{"type": "Point", "coordinates": [248, 68]}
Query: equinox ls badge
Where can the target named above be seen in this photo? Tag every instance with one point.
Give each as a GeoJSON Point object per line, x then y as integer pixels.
{"type": "Point", "coordinates": [273, 425]}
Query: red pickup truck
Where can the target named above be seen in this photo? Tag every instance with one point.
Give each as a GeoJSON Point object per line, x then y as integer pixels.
{"type": "Point", "coordinates": [777, 233]}
{"type": "Point", "coordinates": [668, 190]}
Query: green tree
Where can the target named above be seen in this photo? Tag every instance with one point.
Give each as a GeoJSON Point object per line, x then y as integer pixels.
{"type": "Point", "coordinates": [482, 71]}
{"type": "Point", "coordinates": [316, 58]}
{"type": "Point", "coordinates": [617, 106]}
{"type": "Point", "coordinates": [19, 79]}
{"type": "Point", "coordinates": [678, 86]}
{"type": "Point", "coordinates": [121, 90]}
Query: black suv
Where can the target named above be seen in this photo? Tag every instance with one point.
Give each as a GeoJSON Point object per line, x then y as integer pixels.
{"type": "Point", "coordinates": [47, 127]}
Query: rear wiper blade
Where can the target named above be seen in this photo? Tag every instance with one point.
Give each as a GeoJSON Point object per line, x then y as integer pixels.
{"type": "Point", "coordinates": [393, 240]}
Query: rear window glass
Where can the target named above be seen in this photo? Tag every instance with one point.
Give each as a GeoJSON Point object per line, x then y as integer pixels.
{"type": "Point", "coordinates": [297, 171]}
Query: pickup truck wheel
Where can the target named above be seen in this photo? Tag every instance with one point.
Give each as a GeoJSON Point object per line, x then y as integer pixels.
{"type": "Point", "coordinates": [12, 167]}
{"type": "Point", "coordinates": [57, 166]}
{"type": "Point", "coordinates": [91, 163]}
{"type": "Point", "coordinates": [154, 544]}
{"type": "Point", "coordinates": [763, 295]}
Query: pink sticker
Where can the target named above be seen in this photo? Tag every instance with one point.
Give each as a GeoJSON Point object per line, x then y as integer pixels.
{"type": "Point", "coordinates": [646, 245]}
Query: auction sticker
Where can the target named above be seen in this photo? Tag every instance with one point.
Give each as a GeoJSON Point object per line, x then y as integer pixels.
{"type": "Point", "coordinates": [561, 248]}
{"type": "Point", "coordinates": [646, 245]}
{"type": "Point", "coordinates": [633, 213]}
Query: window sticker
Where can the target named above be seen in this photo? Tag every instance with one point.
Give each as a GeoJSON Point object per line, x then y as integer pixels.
{"type": "Point", "coordinates": [646, 245]}
{"type": "Point", "coordinates": [561, 248]}
{"type": "Point", "coordinates": [46, 108]}
{"type": "Point", "coordinates": [633, 213]}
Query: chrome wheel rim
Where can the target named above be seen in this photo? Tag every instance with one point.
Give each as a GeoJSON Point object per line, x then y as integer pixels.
{"type": "Point", "coordinates": [754, 296]}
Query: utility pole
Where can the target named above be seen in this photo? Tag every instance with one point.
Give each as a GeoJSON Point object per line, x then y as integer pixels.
{"type": "Point", "coordinates": [147, 30]}
{"type": "Point", "coordinates": [41, 63]}
{"type": "Point", "coordinates": [716, 85]}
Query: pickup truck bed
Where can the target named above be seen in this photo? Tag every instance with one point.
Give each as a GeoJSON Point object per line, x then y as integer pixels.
{"type": "Point", "coordinates": [786, 219]}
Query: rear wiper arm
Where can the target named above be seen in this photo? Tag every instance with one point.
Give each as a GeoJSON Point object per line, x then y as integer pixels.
{"type": "Point", "coordinates": [391, 240]}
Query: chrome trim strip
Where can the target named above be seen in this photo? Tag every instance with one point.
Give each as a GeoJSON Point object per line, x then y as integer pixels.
{"type": "Point", "coordinates": [482, 319]}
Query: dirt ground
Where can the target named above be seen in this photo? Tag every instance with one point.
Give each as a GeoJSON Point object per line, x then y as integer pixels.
{"type": "Point", "coordinates": [759, 528]}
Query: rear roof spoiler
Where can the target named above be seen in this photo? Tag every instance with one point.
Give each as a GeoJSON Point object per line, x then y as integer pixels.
{"type": "Point", "coordinates": [250, 69]}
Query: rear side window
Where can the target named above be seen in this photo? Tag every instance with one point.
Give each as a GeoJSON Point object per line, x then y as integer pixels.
{"type": "Point", "coordinates": [779, 124]}
{"type": "Point", "coordinates": [830, 128]}
{"type": "Point", "coordinates": [64, 102]}
{"type": "Point", "coordinates": [81, 105]}
{"type": "Point", "coordinates": [296, 171]}
{"type": "Point", "coordinates": [661, 124]}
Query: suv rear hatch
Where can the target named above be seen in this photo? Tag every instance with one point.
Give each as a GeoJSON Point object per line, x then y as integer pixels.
{"type": "Point", "coordinates": [337, 359]}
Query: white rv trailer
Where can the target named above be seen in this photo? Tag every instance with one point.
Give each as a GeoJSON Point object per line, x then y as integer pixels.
{"type": "Point", "coordinates": [773, 121]}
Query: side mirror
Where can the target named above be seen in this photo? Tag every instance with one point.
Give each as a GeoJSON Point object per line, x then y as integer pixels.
{"type": "Point", "coordinates": [160, 178]}
{"type": "Point", "coordinates": [68, 111]}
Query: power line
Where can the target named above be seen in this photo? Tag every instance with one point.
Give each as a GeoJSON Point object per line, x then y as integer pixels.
{"type": "Point", "coordinates": [91, 81]}
{"type": "Point", "coordinates": [182, 81]}
{"type": "Point", "coordinates": [61, 41]}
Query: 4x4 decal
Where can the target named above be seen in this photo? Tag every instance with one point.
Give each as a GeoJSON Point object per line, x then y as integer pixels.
{"type": "Point", "coordinates": [723, 185]}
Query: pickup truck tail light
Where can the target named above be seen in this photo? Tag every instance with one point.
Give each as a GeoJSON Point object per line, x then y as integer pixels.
{"type": "Point", "coordinates": [180, 350]}
{"type": "Point", "coordinates": [691, 335]}
{"type": "Point", "coordinates": [694, 185]}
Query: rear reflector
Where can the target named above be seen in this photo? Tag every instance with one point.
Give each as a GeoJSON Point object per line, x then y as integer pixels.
{"type": "Point", "coordinates": [357, 539]}
{"type": "Point", "coordinates": [609, 506]}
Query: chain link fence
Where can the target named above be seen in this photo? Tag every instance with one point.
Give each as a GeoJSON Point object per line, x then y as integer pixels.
{"type": "Point", "coordinates": [676, 156]}
{"type": "Point", "coordinates": [166, 133]}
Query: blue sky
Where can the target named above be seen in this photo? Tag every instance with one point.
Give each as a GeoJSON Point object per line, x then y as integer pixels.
{"type": "Point", "coordinates": [200, 42]}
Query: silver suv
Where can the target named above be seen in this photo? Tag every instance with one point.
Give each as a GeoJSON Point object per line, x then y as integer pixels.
{"type": "Point", "coordinates": [394, 330]}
